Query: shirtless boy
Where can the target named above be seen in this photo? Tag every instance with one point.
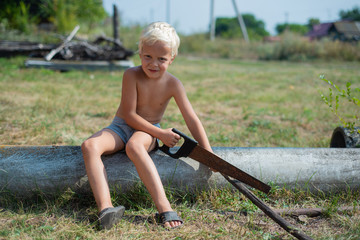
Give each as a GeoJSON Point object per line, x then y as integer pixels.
{"type": "Point", "coordinates": [146, 92]}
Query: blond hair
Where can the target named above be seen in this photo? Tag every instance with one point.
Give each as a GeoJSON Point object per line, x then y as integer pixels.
{"type": "Point", "coordinates": [160, 31]}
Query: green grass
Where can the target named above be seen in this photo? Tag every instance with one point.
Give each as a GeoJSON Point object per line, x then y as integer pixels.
{"type": "Point", "coordinates": [241, 104]}
{"type": "Point", "coordinates": [216, 213]}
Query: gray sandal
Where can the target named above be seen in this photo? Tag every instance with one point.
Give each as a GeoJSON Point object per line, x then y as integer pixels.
{"type": "Point", "coordinates": [168, 217]}
{"type": "Point", "coordinates": [108, 217]}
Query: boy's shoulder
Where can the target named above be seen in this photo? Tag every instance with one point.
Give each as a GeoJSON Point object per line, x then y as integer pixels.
{"type": "Point", "coordinates": [172, 78]}
{"type": "Point", "coordinates": [134, 70]}
{"type": "Point", "coordinates": [133, 73]}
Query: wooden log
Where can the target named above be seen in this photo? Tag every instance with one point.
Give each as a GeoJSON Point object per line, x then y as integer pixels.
{"type": "Point", "coordinates": [14, 48]}
{"type": "Point", "coordinates": [58, 49]}
{"type": "Point", "coordinates": [116, 42]}
{"type": "Point", "coordinates": [65, 65]}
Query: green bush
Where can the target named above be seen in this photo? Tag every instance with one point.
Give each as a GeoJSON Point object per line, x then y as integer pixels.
{"type": "Point", "coordinates": [16, 16]}
{"type": "Point", "coordinates": [195, 43]}
{"type": "Point", "coordinates": [64, 14]}
{"type": "Point", "coordinates": [200, 45]}
{"type": "Point", "coordinates": [294, 47]}
{"type": "Point", "coordinates": [340, 51]}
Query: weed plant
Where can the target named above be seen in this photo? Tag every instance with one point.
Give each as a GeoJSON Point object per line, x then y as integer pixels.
{"type": "Point", "coordinates": [351, 96]}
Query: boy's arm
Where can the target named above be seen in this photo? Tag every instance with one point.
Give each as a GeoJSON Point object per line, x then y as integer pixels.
{"type": "Point", "coordinates": [191, 119]}
{"type": "Point", "coordinates": [129, 114]}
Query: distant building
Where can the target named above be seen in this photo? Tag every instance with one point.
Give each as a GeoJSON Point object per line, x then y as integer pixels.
{"type": "Point", "coordinates": [272, 39]}
{"type": "Point", "coordinates": [341, 30]}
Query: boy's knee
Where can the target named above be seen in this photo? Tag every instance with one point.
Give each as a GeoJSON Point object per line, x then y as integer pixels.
{"type": "Point", "coordinates": [85, 145]}
{"type": "Point", "coordinates": [132, 148]}
{"type": "Point", "coordinates": [88, 146]}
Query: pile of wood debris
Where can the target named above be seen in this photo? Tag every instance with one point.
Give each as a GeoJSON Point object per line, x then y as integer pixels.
{"type": "Point", "coordinates": [76, 49]}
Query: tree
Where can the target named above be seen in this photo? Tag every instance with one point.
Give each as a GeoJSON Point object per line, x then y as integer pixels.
{"type": "Point", "coordinates": [18, 14]}
{"type": "Point", "coordinates": [353, 14]}
{"type": "Point", "coordinates": [90, 11]}
{"type": "Point", "coordinates": [292, 27]}
{"type": "Point", "coordinates": [227, 27]}
{"type": "Point", "coordinates": [64, 14]}
{"type": "Point", "coordinates": [230, 28]}
{"type": "Point", "coordinates": [256, 28]}
{"type": "Point", "coordinates": [312, 22]}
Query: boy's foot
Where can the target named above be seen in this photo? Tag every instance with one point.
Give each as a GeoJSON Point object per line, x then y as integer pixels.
{"type": "Point", "coordinates": [167, 217]}
{"type": "Point", "coordinates": [108, 217]}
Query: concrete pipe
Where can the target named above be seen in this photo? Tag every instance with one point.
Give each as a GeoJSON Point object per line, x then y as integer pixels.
{"type": "Point", "coordinates": [49, 169]}
{"type": "Point", "coordinates": [345, 138]}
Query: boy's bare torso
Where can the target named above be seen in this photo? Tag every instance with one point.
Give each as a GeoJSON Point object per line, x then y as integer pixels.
{"type": "Point", "coordinates": [153, 95]}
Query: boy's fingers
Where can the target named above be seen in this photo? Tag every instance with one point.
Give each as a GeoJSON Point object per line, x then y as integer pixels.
{"type": "Point", "coordinates": [177, 136]}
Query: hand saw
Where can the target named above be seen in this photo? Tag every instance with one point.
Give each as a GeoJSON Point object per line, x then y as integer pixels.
{"type": "Point", "coordinates": [190, 148]}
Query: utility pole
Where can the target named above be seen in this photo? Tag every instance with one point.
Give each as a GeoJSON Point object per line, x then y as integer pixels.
{"type": "Point", "coordinates": [241, 22]}
{"type": "Point", "coordinates": [168, 11]}
{"type": "Point", "coordinates": [212, 21]}
{"type": "Point", "coordinates": [286, 22]}
{"type": "Point", "coordinates": [115, 23]}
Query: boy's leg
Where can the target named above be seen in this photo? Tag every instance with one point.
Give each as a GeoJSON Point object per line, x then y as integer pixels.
{"type": "Point", "coordinates": [102, 142]}
{"type": "Point", "coordinates": [137, 149]}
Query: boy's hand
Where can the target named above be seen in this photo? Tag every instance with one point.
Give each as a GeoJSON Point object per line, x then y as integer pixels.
{"type": "Point", "coordinates": [169, 138]}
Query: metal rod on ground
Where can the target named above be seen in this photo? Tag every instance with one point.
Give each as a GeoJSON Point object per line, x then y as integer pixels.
{"type": "Point", "coordinates": [267, 210]}
{"type": "Point", "coordinates": [312, 212]}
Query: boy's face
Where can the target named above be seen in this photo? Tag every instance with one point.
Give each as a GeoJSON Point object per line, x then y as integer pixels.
{"type": "Point", "coordinates": [155, 59]}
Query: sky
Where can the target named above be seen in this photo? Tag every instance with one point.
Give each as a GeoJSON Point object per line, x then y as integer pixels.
{"type": "Point", "coordinates": [193, 16]}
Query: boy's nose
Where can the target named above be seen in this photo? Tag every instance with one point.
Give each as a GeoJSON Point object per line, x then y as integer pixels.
{"type": "Point", "coordinates": [154, 63]}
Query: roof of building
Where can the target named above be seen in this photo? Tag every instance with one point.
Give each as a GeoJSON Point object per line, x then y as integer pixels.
{"type": "Point", "coordinates": [320, 30]}
{"type": "Point", "coordinates": [349, 29]}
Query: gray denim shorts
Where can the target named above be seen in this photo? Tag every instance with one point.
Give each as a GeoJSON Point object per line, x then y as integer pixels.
{"type": "Point", "coordinates": [123, 130]}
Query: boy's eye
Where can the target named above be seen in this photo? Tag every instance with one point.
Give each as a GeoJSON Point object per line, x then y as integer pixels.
{"type": "Point", "coordinates": [163, 59]}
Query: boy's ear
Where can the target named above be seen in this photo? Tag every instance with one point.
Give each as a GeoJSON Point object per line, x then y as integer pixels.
{"type": "Point", "coordinates": [172, 59]}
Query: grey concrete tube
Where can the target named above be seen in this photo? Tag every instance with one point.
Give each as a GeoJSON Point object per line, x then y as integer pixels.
{"type": "Point", "coordinates": [50, 169]}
